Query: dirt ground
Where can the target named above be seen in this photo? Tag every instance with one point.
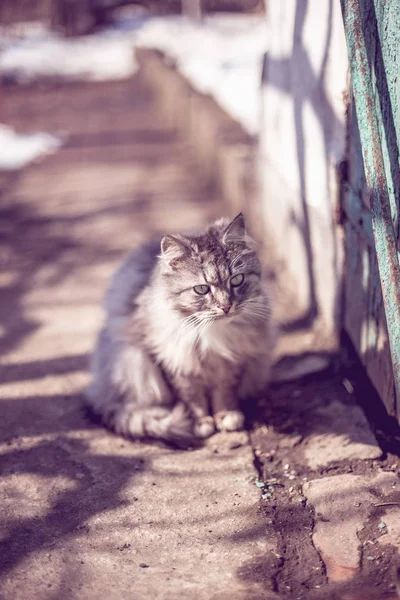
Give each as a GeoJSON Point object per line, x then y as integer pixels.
{"type": "Point", "coordinates": [281, 429]}
{"type": "Point", "coordinates": [88, 515]}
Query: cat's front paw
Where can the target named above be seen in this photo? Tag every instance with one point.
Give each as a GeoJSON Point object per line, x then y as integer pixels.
{"type": "Point", "coordinates": [204, 427]}
{"type": "Point", "coordinates": [230, 420]}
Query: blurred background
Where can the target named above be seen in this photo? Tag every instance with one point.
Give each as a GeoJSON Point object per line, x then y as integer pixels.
{"type": "Point", "coordinates": [121, 119]}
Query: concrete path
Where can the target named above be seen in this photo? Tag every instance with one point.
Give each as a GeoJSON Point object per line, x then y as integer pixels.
{"type": "Point", "coordinates": [85, 514]}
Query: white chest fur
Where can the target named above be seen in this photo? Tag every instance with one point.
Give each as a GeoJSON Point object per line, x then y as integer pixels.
{"type": "Point", "coordinates": [183, 350]}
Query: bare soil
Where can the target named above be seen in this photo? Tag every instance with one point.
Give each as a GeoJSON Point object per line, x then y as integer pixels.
{"type": "Point", "coordinates": [279, 430]}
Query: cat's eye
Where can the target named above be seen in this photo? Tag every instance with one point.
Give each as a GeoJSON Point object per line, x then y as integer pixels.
{"type": "Point", "coordinates": [201, 290]}
{"type": "Point", "coordinates": [237, 280]}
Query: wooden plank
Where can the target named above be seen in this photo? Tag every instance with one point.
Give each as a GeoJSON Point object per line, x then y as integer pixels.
{"type": "Point", "coordinates": [373, 36]}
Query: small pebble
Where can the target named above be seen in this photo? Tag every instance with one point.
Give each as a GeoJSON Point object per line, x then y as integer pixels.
{"type": "Point", "coordinates": [348, 385]}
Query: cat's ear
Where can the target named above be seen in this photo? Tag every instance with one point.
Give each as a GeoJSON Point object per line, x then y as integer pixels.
{"type": "Point", "coordinates": [174, 248]}
{"type": "Point", "coordinates": [236, 230]}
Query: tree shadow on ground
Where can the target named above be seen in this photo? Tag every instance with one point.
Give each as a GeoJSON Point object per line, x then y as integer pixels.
{"type": "Point", "coordinates": [61, 219]}
{"type": "Point", "coordinates": [97, 484]}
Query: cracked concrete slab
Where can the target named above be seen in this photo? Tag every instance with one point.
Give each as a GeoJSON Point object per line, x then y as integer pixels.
{"type": "Point", "coordinates": [343, 432]}
{"type": "Point", "coordinates": [391, 520]}
{"type": "Point", "coordinates": [89, 516]}
{"type": "Point", "coordinates": [342, 504]}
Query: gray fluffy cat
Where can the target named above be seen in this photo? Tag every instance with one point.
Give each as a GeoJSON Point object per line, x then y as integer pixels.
{"type": "Point", "coordinates": [187, 337]}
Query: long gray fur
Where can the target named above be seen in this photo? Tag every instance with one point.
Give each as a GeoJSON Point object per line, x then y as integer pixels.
{"type": "Point", "coordinates": [169, 363]}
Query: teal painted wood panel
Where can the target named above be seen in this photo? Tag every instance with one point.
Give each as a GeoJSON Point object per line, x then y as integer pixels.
{"type": "Point", "coordinates": [371, 192]}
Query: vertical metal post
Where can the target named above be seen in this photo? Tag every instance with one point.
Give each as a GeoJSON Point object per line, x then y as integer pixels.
{"type": "Point", "coordinates": [384, 234]}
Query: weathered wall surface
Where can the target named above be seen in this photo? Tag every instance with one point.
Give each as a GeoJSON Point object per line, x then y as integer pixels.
{"type": "Point", "coordinates": [302, 145]}
{"type": "Point", "coordinates": [312, 176]}
{"type": "Point", "coordinates": [364, 315]}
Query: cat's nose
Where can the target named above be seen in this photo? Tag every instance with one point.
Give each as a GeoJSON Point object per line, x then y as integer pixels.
{"type": "Point", "coordinates": [226, 308]}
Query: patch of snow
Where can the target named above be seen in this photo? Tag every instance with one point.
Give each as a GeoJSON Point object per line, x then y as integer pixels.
{"type": "Point", "coordinates": [98, 57]}
{"type": "Point", "coordinates": [17, 150]}
{"type": "Point", "coordinates": [221, 56]}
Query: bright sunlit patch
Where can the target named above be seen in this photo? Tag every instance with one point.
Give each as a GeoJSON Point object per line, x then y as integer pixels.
{"type": "Point", "coordinates": [18, 150]}
{"type": "Point", "coordinates": [47, 386]}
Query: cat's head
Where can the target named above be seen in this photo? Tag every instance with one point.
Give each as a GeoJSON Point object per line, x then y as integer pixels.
{"type": "Point", "coordinates": [215, 275]}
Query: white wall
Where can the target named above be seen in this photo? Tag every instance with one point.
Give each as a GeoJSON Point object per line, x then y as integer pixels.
{"type": "Point", "coordinates": [302, 144]}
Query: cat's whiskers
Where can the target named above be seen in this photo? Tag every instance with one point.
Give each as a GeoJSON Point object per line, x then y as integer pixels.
{"type": "Point", "coordinates": [201, 330]}
{"type": "Point", "coordinates": [188, 323]}
{"type": "Point", "coordinates": [253, 318]}
{"type": "Point", "coordinates": [198, 326]}
{"type": "Point", "coordinates": [255, 309]}
{"type": "Point", "coordinates": [258, 307]}
{"type": "Point", "coordinates": [192, 328]}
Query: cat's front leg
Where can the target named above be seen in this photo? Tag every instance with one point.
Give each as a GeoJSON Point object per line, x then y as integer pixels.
{"type": "Point", "coordinates": [193, 393]}
{"type": "Point", "coordinates": [225, 401]}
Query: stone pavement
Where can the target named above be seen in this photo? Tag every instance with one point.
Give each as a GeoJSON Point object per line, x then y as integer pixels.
{"type": "Point", "coordinates": [85, 514]}
{"type": "Point", "coordinates": [329, 492]}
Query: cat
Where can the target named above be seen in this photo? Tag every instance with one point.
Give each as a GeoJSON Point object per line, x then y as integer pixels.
{"type": "Point", "coordinates": [188, 335]}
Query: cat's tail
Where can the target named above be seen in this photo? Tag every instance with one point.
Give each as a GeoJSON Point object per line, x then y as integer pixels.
{"type": "Point", "coordinates": [174, 425]}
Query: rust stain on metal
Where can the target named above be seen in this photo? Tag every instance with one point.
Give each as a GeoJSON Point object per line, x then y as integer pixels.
{"type": "Point", "coordinates": [374, 167]}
